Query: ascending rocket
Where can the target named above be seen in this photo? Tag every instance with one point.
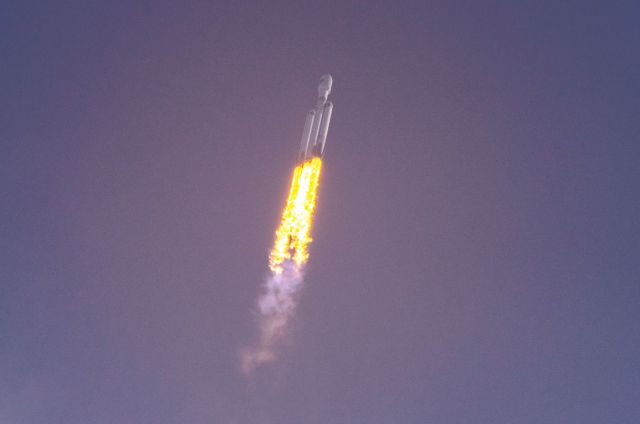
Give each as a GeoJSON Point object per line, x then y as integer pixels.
{"type": "Point", "coordinates": [314, 135]}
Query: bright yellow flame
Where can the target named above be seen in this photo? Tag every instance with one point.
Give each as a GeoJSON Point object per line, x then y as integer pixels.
{"type": "Point", "coordinates": [294, 233]}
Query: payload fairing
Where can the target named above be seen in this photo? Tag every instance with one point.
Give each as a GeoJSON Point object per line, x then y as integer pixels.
{"type": "Point", "coordinates": [314, 135]}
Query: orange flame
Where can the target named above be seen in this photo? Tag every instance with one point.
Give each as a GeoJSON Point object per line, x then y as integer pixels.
{"type": "Point", "coordinates": [294, 232]}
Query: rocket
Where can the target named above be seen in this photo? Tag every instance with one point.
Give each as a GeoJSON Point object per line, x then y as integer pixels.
{"type": "Point", "coordinates": [314, 135]}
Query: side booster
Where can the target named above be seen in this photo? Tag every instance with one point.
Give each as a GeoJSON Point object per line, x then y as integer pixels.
{"type": "Point", "coordinates": [316, 126]}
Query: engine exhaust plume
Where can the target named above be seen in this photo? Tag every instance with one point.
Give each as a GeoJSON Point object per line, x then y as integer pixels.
{"type": "Point", "coordinates": [287, 258]}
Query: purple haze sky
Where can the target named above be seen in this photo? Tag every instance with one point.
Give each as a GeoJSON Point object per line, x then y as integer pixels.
{"type": "Point", "coordinates": [477, 243]}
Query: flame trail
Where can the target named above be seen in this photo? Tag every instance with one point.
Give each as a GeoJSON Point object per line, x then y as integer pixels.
{"type": "Point", "coordinates": [286, 261]}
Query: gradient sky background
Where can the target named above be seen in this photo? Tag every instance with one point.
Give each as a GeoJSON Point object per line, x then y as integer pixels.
{"type": "Point", "coordinates": [477, 243]}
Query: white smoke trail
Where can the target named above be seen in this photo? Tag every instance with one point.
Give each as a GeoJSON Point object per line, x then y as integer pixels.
{"type": "Point", "coordinates": [276, 305]}
{"type": "Point", "coordinates": [286, 261]}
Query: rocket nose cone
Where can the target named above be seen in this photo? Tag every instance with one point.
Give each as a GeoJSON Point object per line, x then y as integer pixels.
{"type": "Point", "coordinates": [324, 88]}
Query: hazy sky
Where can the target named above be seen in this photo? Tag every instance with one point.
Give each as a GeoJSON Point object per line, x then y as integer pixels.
{"type": "Point", "coordinates": [477, 242]}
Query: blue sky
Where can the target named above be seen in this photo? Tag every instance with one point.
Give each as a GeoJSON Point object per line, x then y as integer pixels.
{"type": "Point", "coordinates": [475, 254]}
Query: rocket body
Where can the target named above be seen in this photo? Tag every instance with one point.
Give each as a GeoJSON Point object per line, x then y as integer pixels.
{"type": "Point", "coordinates": [290, 250]}
{"type": "Point", "coordinates": [316, 126]}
